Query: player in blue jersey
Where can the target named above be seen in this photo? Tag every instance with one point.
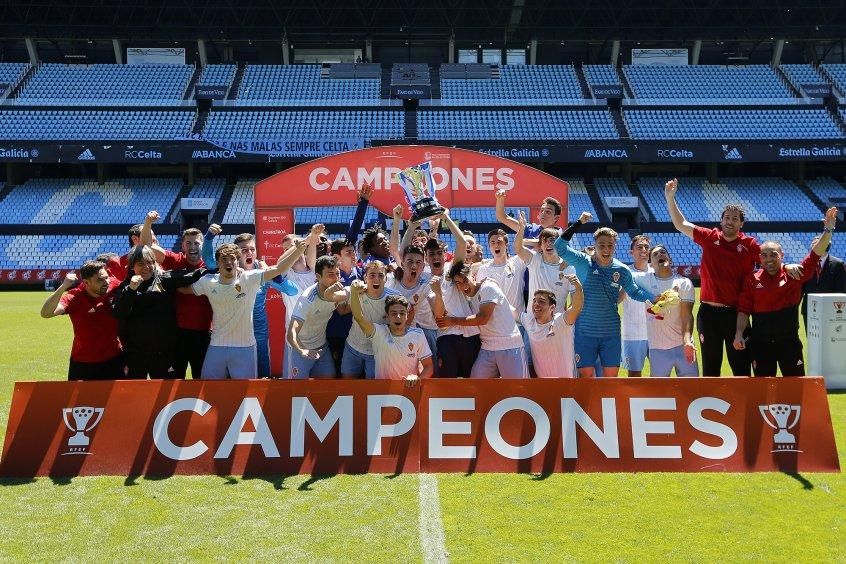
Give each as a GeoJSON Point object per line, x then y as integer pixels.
{"type": "Point", "coordinates": [598, 326]}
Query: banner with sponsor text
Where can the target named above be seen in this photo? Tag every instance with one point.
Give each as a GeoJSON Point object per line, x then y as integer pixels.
{"type": "Point", "coordinates": [292, 427]}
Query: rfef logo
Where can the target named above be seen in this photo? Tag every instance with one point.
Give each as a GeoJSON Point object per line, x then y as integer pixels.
{"type": "Point", "coordinates": [780, 419]}
{"type": "Point", "coordinates": [82, 424]}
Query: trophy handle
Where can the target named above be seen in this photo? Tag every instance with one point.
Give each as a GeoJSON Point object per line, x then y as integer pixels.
{"type": "Point", "coordinates": [65, 412]}
{"type": "Point", "coordinates": [764, 409]}
{"type": "Point", "coordinates": [798, 410]}
{"type": "Point", "coordinates": [99, 412]}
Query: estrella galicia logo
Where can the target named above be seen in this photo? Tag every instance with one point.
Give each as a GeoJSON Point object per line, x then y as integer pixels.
{"type": "Point", "coordinates": [731, 153]}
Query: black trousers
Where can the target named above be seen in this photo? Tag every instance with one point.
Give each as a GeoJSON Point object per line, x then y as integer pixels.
{"type": "Point", "coordinates": [784, 351]}
{"type": "Point", "coordinates": [157, 366]}
{"type": "Point", "coordinates": [89, 371]}
{"type": "Point", "coordinates": [191, 347]}
{"type": "Point", "coordinates": [716, 327]}
{"type": "Point", "coordinates": [457, 354]}
{"type": "Point", "coordinates": [336, 348]}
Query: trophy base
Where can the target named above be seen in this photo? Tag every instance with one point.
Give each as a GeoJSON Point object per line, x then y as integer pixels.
{"type": "Point", "coordinates": [424, 209]}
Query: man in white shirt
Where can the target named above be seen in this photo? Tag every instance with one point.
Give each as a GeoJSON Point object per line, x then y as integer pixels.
{"type": "Point", "coordinates": [401, 352]}
{"type": "Point", "coordinates": [507, 271]}
{"type": "Point", "coordinates": [551, 333]}
{"type": "Point", "coordinates": [310, 357]}
{"type": "Point", "coordinates": [301, 277]}
{"type": "Point", "coordinates": [671, 344]}
{"type": "Point", "coordinates": [458, 346]}
{"type": "Point", "coordinates": [502, 351]}
{"type": "Point", "coordinates": [358, 356]}
{"type": "Point", "coordinates": [635, 341]}
{"type": "Point", "coordinates": [547, 270]}
{"type": "Point", "coordinates": [232, 295]}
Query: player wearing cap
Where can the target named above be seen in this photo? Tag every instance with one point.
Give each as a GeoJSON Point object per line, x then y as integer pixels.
{"type": "Point", "coordinates": [400, 352]}
{"type": "Point", "coordinates": [96, 350]}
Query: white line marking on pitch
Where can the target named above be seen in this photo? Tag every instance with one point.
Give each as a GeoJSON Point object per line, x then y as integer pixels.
{"type": "Point", "coordinates": [431, 524]}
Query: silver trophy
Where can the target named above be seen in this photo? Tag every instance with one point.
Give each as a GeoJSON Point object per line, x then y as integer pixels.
{"type": "Point", "coordinates": [82, 423]}
{"type": "Point", "coordinates": [781, 422]}
{"type": "Point", "coordinates": [419, 188]}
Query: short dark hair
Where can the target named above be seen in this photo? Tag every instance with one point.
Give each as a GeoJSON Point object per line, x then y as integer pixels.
{"type": "Point", "coordinates": [243, 238]}
{"type": "Point", "coordinates": [550, 296]}
{"type": "Point", "coordinates": [412, 250]}
{"type": "Point", "coordinates": [549, 233]}
{"type": "Point", "coordinates": [394, 299]}
{"type": "Point", "coordinates": [494, 232]}
{"type": "Point", "coordinates": [91, 268]}
{"type": "Point", "coordinates": [338, 245]}
{"type": "Point", "coordinates": [134, 231]}
{"type": "Point", "coordinates": [640, 237]}
{"type": "Point", "coordinates": [191, 232]}
{"type": "Point", "coordinates": [555, 204]}
{"type": "Point", "coordinates": [227, 249]}
{"type": "Point", "coordinates": [660, 246]}
{"type": "Point", "coordinates": [459, 267]}
{"type": "Point", "coordinates": [139, 253]}
{"type": "Point", "coordinates": [735, 208]}
{"type": "Point", "coordinates": [324, 262]}
{"type": "Point", "coordinates": [105, 257]}
{"type": "Point", "coordinates": [434, 245]}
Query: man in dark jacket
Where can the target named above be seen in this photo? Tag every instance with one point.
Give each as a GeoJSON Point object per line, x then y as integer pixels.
{"type": "Point", "coordinates": [830, 278]}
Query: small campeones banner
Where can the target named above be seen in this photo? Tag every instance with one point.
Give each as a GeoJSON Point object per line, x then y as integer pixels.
{"type": "Point", "coordinates": [289, 427]}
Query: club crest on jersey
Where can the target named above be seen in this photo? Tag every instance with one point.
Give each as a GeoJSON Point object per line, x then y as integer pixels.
{"type": "Point", "coordinates": [615, 277]}
{"type": "Point", "coordinates": [410, 346]}
{"type": "Point", "coordinates": [238, 288]}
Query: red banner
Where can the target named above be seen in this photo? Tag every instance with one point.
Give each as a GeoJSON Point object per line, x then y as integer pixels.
{"type": "Point", "coordinates": [271, 427]}
{"type": "Point", "coordinates": [32, 275]}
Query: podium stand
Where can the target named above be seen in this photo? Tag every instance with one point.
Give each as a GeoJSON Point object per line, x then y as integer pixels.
{"type": "Point", "coordinates": [827, 338]}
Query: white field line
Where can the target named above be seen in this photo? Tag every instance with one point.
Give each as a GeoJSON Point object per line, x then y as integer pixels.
{"type": "Point", "coordinates": [431, 525]}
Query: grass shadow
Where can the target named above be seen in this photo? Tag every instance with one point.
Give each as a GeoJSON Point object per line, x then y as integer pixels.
{"type": "Point", "coordinates": [806, 483]}
{"type": "Point", "coordinates": [16, 481]}
{"type": "Point", "coordinates": [306, 486]}
{"type": "Point", "coordinates": [275, 480]}
{"type": "Point", "coordinates": [61, 480]}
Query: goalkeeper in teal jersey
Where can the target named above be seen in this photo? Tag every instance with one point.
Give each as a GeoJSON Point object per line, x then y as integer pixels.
{"type": "Point", "coordinates": [598, 327]}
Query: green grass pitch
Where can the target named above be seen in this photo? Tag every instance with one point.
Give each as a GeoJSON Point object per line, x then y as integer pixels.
{"type": "Point", "coordinates": [485, 517]}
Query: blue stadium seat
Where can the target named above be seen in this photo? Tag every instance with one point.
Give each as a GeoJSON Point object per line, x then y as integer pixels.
{"type": "Point", "coordinates": [523, 85]}
{"type": "Point", "coordinates": [369, 124]}
{"type": "Point", "coordinates": [516, 124]}
{"type": "Point", "coordinates": [86, 125]}
{"type": "Point", "coordinates": [61, 251]}
{"type": "Point", "coordinates": [303, 85]}
{"type": "Point", "coordinates": [705, 81]}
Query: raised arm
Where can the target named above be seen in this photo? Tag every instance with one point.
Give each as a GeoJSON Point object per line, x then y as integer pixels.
{"type": "Point", "coordinates": [828, 230]}
{"type": "Point", "coordinates": [681, 224]}
{"type": "Point", "coordinates": [146, 237]}
{"type": "Point", "coordinates": [52, 306]}
{"type": "Point", "coordinates": [285, 261]}
{"type": "Point", "coordinates": [336, 293]}
{"type": "Point", "coordinates": [476, 320]}
{"type": "Point", "coordinates": [437, 303]}
{"type": "Point", "coordinates": [208, 245]}
{"type": "Point", "coordinates": [460, 244]}
{"type": "Point", "coordinates": [576, 225]}
{"type": "Point", "coordinates": [519, 243]}
{"type": "Point", "coordinates": [501, 216]}
{"type": "Point", "coordinates": [577, 300]}
{"type": "Point", "coordinates": [358, 287]}
{"type": "Point", "coordinates": [312, 240]}
{"type": "Point", "coordinates": [393, 239]}
{"type": "Point", "coordinates": [356, 224]}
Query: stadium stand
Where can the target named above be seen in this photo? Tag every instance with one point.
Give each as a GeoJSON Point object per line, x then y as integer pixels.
{"type": "Point", "coordinates": [241, 207]}
{"type": "Point", "coordinates": [61, 251]}
{"type": "Point", "coordinates": [517, 85]}
{"type": "Point", "coordinates": [485, 215]}
{"type": "Point", "coordinates": [600, 74]}
{"type": "Point", "coordinates": [217, 75]}
{"type": "Point", "coordinates": [705, 81]}
{"type": "Point", "coordinates": [140, 85]}
{"type": "Point", "coordinates": [837, 74]}
{"type": "Point", "coordinates": [515, 124]}
{"type": "Point", "coordinates": [802, 74]}
{"type": "Point", "coordinates": [57, 201]}
{"type": "Point", "coordinates": [208, 188]}
{"type": "Point", "coordinates": [87, 125]}
{"type": "Point", "coordinates": [826, 188]}
{"type": "Point", "coordinates": [304, 125]}
{"type": "Point", "coordinates": [723, 124]}
{"type": "Point", "coordinates": [763, 199]}
{"type": "Point", "coordinates": [10, 74]}
{"type": "Point", "coordinates": [612, 187]}
{"type": "Point", "coordinates": [335, 214]}
{"type": "Point", "coordinates": [302, 85]}
{"type": "Point", "coordinates": [579, 200]}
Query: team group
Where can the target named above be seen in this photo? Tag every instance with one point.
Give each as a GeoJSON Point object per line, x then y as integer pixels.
{"type": "Point", "coordinates": [409, 308]}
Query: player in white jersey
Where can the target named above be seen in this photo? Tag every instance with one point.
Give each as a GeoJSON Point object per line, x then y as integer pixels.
{"type": "Point", "coordinates": [232, 295]}
{"type": "Point", "coordinates": [401, 352]}
{"type": "Point", "coordinates": [507, 271]}
{"type": "Point", "coordinates": [551, 333]}
{"type": "Point", "coordinates": [458, 346]}
{"type": "Point", "coordinates": [635, 342]}
{"type": "Point", "coordinates": [358, 357]}
{"type": "Point", "coordinates": [671, 344]}
{"type": "Point", "coordinates": [301, 277]}
{"type": "Point", "coordinates": [547, 270]}
{"type": "Point", "coordinates": [502, 352]}
{"type": "Point", "coordinates": [310, 357]}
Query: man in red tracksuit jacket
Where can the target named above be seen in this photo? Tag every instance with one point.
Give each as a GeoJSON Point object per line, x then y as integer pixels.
{"type": "Point", "coordinates": [772, 298]}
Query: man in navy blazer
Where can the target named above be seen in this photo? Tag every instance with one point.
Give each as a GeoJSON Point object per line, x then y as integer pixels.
{"type": "Point", "coordinates": [829, 279]}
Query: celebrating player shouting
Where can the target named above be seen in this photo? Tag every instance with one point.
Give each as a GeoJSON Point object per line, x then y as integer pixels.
{"type": "Point", "coordinates": [400, 351]}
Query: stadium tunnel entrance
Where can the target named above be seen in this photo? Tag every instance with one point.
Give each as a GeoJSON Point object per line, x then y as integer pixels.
{"type": "Point", "coordinates": [463, 179]}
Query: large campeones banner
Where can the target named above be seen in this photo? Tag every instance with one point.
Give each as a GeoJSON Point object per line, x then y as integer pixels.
{"type": "Point", "coordinates": [271, 427]}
